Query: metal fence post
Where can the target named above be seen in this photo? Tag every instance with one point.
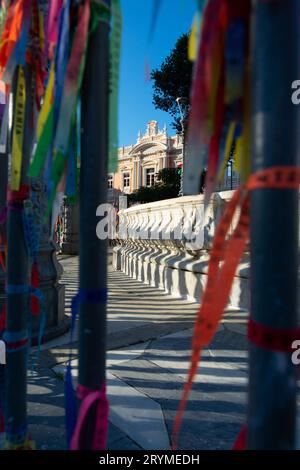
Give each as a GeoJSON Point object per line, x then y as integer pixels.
{"type": "Point", "coordinates": [274, 221]}
{"type": "Point", "coordinates": [93, 192]}
{"type": "Point", "coordinates": [18, 303]}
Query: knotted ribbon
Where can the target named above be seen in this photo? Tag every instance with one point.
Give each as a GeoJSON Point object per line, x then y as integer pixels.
{"type": "Point", "coordinates": [224, 259]}
{"type": "Point", "coordinates": [90, 398]}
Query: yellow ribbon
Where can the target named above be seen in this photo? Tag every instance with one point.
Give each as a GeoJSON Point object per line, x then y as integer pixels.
{"type": "Point", "coordinates": [237, 162]}
{"type": "Point", "coordinates": [28, 444]}
{"type": "Point", "coordinates": [194, 39]}
{"type": "Point", "coordinates": [47, 103]}
{"type": "Point", "coordinates": [18, 131]}
{"type": "Point", "coordinates": [242, 153]}
{"type": "Point", "coordinates": [228, 146]}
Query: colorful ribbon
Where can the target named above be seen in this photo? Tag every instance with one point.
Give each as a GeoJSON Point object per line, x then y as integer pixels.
{"type": "Point", "coordinates": [89, 399]}
{"type": "Point", "coordinates": [15, 199]}
{"type": "Point", "coordinates": [273, 339]}
{"type": "Point", "coordinates": [18, 131]}
{"type": "Point", "coordinates": [90, 296]}
{"type": "Point", "coordinates": [17, 438]}
{"type": "Point", "coordinates": [15, 340]}
{"type": "Point", "coordinates": [224, 259]}
{"type": "Point", "coordinates": [69, 96]}
{"type": "Point", "coordinates": [240, 442]}
{"type": "Point", "coordinates": [19, 289]}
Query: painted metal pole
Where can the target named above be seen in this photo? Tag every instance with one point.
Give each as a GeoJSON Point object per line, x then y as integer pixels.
{"type": "Point", "coordinates": [18, 303]}
{"type": "Point", "coordinates": [183, 107]}
{"type": "Point", "coordinates": [274, 221]}
{"type": "Point", "coordinates": [181, 190]}
{"type": "Point", "coordinates": [3, 178]}
{"type": "Point", "coordinates": [93, 192]}
{"type": "Point", "coordinates": [3, 189]}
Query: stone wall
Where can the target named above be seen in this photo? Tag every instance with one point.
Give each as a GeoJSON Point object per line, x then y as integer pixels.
{"type": "Point", "coordinates": [150, 249]}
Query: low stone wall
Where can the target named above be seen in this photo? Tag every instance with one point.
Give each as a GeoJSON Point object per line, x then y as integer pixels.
{"type": "Point", "coordinates": [151, 250]}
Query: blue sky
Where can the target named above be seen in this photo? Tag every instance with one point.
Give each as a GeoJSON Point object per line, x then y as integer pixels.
{"type": "Point", "coordinates": [136, 108]}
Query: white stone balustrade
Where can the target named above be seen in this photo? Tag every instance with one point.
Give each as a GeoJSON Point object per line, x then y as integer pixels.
{"type": "Point", "coordinates": [166, 244]}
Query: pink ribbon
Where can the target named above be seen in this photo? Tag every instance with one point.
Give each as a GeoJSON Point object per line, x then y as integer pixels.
{"type": "Point", "coordinates": [3, 215]}
{"type": "Point", "coordinates": [90, 398]}
{"type": "Point", "coordinates": [55, 7]}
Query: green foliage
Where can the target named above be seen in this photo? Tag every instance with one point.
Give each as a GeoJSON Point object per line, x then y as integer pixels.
{"type": "Point", "coordinates": [169, 176]}
{"type": "Point", "coordinates": [173, 80]}
{"type": "Point", "coordinates": [166, 187]}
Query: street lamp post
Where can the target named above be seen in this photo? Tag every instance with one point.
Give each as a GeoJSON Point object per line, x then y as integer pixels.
{"type": "Point", "coordinates": [183, 106]}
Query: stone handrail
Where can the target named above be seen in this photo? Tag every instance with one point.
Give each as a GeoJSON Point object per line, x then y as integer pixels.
{"type": "Point", "coordinates": [166, 244]}
{"type": "Point", "coordinates": [179, 223]}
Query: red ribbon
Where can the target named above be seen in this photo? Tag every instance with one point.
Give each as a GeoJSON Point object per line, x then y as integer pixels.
{"type": "Point", "coordinates": [274, 339]}
{"type": "Point", "coordinates": [34, 301]}
{"type": "Point", "coordinates": [224, 259]}
{"type": "Point", "coordinates": [15, 199]}
{"type": "Point", "coordinates": [240, 443]}
{"type": "Point", "coordinates": [3, 317]}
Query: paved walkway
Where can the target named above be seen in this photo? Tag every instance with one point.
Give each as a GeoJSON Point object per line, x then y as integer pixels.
{"type": "Point", "coordinates": [149, 338]}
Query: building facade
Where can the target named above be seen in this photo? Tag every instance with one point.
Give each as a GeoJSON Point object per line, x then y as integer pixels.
{"type": "Point", "coordinates": [138, 166]}
{"type": "Point", "coordinates": [139, 163]}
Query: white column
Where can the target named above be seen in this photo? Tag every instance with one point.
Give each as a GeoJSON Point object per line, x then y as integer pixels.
{"type": "Point", "coordinates": [139, 173]}
{"type": "Point", "coordinates": [133, 186]}
{"type": "Point", "coordinates": [165, 161]}
{"type": "Point", "coordinates": [161, 163]}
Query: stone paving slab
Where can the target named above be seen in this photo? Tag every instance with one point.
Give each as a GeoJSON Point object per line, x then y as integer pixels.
{"type": "Point", "coordinates": [147, 376]}
{"type": "Point", "coordinates": [46, 415]}
{"type": "Point", "coordinates": [150, 377]}
{"type": "Point", "coordinates": [217, 405]}
{"type": "Point", "coordinates": [136, 313]}
{"type": "Point", "coordinates": [136, 415]}
{"type": "Point", "coordinates": [133, 412]}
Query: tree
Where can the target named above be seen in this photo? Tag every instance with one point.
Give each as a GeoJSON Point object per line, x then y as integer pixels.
{"type": "Point", "coordinates": [166, 187]}
{"type": "Point", "coordinates": [169, 177]}
{"type": "Point", "coordinates": [173, 80]}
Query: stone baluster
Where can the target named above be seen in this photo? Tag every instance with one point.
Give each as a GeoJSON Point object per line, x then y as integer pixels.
{"type": "Point", "coordinates": [69, 240]}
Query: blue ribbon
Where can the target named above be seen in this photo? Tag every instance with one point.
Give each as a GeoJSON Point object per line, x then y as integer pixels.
{"type": "Point", "coordinates": [32, 230]}
{"type": "Point", "coordinates": [24, 289]}
{"type": "Point", "coordinates": [61, 57]}
{"type": "Point", "coordinates": [90, 296]}
{"type": "Point", "coordinates": [14, 336]}
{"type": "Point", "coordinates": [16, 289]}
{"type": "Point", "coordinates": [16, 434]}
{"type": "Point", "coordinates": [70, 404]}
{"type": "Point", "coordinates": [21, 45]}
{"type": "Point", "coordinates": [40, 296]}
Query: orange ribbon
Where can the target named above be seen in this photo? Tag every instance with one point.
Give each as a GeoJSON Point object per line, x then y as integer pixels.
{"type": "Point", "coordinates": [219, 277]}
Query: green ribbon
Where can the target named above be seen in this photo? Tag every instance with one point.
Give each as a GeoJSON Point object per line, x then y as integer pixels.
{"type": "Point", "coordinates": [42, 147]}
